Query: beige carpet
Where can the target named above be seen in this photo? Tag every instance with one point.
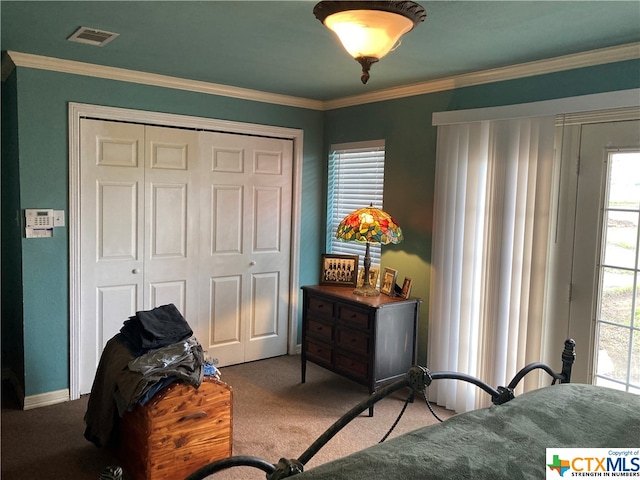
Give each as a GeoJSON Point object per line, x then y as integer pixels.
{"type": "Point", "coordinates": [274, 416]}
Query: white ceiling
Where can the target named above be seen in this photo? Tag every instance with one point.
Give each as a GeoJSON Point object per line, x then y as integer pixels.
{"type": "Point", "coordinates": [280, 47]}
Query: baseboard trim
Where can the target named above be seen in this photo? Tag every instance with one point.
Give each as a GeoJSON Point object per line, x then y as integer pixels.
{"type": "Point", "coordinates": [44, 399]}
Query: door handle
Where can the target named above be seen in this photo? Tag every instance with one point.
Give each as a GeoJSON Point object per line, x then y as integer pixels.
{"type": "Point", "coordinates": [135, 270]}
{"type": "Point", "coordinates": [252, 263]}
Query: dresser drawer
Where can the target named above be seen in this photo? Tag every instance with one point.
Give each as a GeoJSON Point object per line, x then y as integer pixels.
{"type": "Point", "coordinates": [319, 350]}
{"type": "Point", "coordinates": [354, 316]}
{"type": "Point", "coordinates": [351, 366]}
{"type": "Point", "coordinates": [319, 328]}
{"type": "Point", "coordinates": [353, 340]}
{"type": "Point", "coordinates": [320, 306]}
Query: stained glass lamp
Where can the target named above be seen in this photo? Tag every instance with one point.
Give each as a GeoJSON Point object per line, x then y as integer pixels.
{"type": "Point", "coordinates": [369, 225]}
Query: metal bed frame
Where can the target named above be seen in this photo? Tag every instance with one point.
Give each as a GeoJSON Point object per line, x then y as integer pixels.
{"type": "Point", "coordinates": [417, 379]}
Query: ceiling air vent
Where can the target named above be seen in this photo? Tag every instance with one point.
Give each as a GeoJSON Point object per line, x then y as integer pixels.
{"type": "Point", "coordinates": [91, 36]}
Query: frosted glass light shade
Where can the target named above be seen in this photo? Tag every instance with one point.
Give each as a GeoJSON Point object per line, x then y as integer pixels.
{"type": "Point", "coordinates": [369, 30]}
{"type": "Point", "coordinates": [368, 33]}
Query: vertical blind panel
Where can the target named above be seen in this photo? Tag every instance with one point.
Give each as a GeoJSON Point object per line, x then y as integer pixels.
{"type": "Point", "coordinates": [491, 227]}
{"type": "Point", "coordinates": [356, 180]}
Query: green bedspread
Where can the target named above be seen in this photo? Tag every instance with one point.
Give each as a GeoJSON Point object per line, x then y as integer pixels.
{"type": "Point", "coordinates": [500, 442]}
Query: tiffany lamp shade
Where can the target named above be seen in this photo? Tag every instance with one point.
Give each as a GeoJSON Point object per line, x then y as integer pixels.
{"type": "Point", "coordinates": [369, 225]}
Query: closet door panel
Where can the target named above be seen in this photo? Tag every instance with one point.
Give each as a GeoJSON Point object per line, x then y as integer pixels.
{"type": "Point", "coordinates": [247, 238]}
{"type": "Point", "coordinates": [264, 310]}
{"type": "Point", "coordinates": [111, 253]}
{"type": "Point", "coordinates": [226, 219]}
{"type": "Point", "coordinates": [117, 204]}
{"type": "Point", "coordinates": [267, 220]}
{"type": "Point", "coordinates": [224, 302]}
{"type": "Point", "coordinates": [172, 217]}
{"type": "Point", "coordinates": [168, 230]}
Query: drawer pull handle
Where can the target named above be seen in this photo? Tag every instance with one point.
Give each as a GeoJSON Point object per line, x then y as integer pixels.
{"type": "Point", "coordinates": [193, 416]}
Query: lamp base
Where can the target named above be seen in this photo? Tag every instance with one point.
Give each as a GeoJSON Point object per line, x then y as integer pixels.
{"type": "Point", "coordinates": [367, 291]}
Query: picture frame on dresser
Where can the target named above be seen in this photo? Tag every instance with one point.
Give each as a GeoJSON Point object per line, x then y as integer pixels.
{"type": "Point", "coordinates": [373, 276]}
{"type": "Point", "coordinates": [339, 269]}
{"type": "Point", "coordinates": [406, 287]}
{"type": "Point", "coordinates": [388, 283]}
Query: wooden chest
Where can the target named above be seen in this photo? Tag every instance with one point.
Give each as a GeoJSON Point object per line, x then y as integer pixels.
{"type": "Point", "coordinates": [180, 430]}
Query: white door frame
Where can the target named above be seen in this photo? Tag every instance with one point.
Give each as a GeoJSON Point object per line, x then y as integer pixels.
{"type": "Point", "coordinates": [80, 110]}
{"type": "Point", "coordinates": [559, 305]}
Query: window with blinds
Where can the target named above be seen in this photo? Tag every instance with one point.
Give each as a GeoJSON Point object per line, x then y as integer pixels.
{"type": "Point", "coordinates": [355, 180]}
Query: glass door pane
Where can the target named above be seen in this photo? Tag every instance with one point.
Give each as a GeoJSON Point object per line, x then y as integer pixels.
{"type": "Point", "coordinates": [618, 312]}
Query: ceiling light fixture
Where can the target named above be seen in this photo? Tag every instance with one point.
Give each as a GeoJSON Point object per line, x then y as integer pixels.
{"type": "Point", "coordinates": [369, 30]}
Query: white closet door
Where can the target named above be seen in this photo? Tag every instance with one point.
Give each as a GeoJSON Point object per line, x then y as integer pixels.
{"type": "Point", "coordinates": [111, 216]}
{"type": "Point", "coordinates": [171, 220]}
{"type": "Point", "coordinates": [198, 219]}
{"type": "Point", "coordinates": [139, 210]}
{"type": "Point", "coordinates": [245, 246]}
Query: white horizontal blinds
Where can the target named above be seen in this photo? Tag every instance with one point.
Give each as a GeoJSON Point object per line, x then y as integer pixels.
{"type": "Point", "coordinates": [355, 180]}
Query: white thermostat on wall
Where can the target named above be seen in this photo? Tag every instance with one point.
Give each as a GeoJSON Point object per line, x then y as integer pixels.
{"type": "Point", "coordinates": [38, 222]}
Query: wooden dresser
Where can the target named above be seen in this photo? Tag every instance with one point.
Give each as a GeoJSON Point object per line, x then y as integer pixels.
{"type": "Point", "coordinates": [180, 430]}
{"type": "Point", "coordinates": [371, 340]}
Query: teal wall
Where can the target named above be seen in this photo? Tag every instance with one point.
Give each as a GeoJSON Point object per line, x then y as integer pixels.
{"type": "Point", "coordinates": [405, 125]}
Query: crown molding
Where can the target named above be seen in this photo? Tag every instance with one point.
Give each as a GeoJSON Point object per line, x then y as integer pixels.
{"type": "Point", "coordinates": [121, 74]}
{"type": "Point", "coordinates": [602, 56]}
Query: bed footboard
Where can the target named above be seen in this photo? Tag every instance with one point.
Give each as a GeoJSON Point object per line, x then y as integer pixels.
{"type": "Point", "coordinates": [417, 379]}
